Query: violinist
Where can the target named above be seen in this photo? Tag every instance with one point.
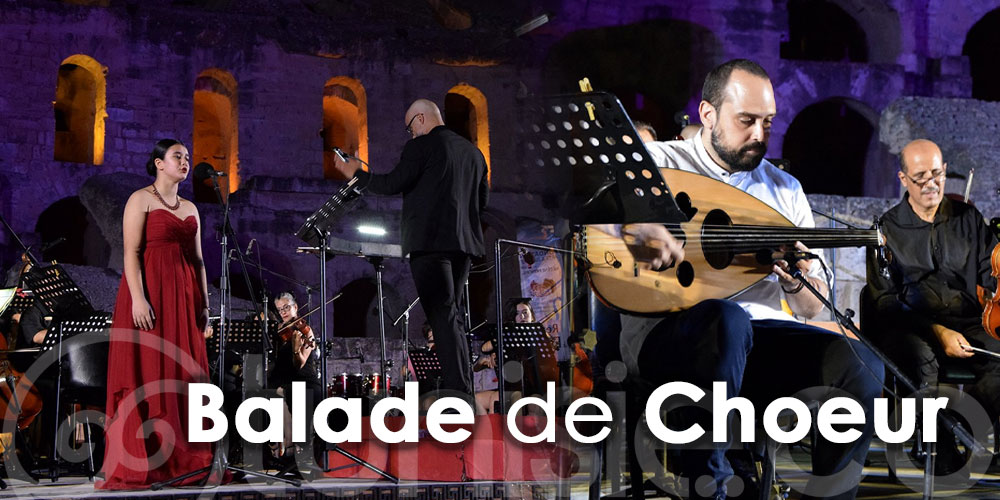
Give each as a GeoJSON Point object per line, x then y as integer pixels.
{"type": "Point", "coordinates": [295, 360]}
{"type": "Point", "coordinates": [927, 312]}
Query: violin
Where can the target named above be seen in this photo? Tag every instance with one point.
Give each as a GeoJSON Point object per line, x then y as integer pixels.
{"type": "Point", "coordinates": [298, 325]}
{"type": "Point", "coordinates": [991, 311]}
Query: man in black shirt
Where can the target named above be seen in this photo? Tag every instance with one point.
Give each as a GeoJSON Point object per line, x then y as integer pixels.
{"type": "Point", "coordinates": [928, 309]}
{"type": "Point", "coordinates": [443, 180]}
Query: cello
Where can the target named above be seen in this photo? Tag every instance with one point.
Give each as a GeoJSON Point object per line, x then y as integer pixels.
{"type": "Point", "coordinates": [20, 401]}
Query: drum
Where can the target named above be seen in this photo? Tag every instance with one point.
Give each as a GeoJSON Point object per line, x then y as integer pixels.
{"type": "Point", "coordinates": [373, 383]}
{"type": "Point", "coordinates": [348, 386]}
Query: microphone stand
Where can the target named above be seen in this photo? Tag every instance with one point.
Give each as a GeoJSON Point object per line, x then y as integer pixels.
{"type": "Point", "coordinates": [945, 419]}
{"type": "Point", "coordinates": [215, 472]}
{"type": "Point", "coordinates": [406, 333]}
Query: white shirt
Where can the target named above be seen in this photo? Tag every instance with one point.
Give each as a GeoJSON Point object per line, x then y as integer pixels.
{"type": "Point", "coordinates": [769, 184]}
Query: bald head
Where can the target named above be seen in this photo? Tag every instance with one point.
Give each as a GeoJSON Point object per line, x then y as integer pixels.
{"type": "Point", "coordinates": [920, 151]}
{"type": "Point", "coordinates": [422, 116]}
{"type": "Point", "coordinates": [922, 175]}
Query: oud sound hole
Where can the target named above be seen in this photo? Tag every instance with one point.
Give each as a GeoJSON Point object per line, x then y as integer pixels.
{"type": "Point", "coordinates": [685, 274]}
{"type": "Point", "coordinates": [716, 245]}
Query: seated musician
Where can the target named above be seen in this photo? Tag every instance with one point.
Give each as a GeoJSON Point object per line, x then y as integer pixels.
{"type": "Point", "coordinates": [749, 342]}
{"type": "Point", "coordinates": [295, 356]}
{"type": "Point", "coordinates": [484, 374]}
{"type": "Point", "coordinates": [928, 309]}
{"type": "Point", "coordinates": [33, 327]}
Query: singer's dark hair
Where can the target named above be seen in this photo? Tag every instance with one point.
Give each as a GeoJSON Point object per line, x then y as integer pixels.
{"type": "Point", "coordinates": [715, 83]}
{"type": "Point", "coordinates": [510, 307]}
{"type": "Point", "coordinates": [159, 151]}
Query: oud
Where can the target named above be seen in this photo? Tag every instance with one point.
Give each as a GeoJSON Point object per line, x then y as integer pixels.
{"type": "Point", "coordinates": [725, 231]}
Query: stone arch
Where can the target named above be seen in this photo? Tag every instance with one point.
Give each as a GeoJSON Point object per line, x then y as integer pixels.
{"type": "Point", "coordinates": [345, 121]}
{"type": "Point", "coordinates": [833, 148]}
{"type": "Point", "coordinates": [467, 113]}
{"type": "Point", "coordinates": [80, 110]}
{"type": "Point", "coordinates": [216, 129]}
{"type": "Point", "coordinates": [84, 244]}
{"type": "Point", "coordinates": [356, 313]}
{"type": "Point", "coordinates": [836, 30]}
{"type": "Point", "coordinates": [982, 47]}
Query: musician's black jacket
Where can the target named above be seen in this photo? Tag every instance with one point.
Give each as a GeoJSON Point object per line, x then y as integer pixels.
{"type": "Point", "coordinates": [443, 180]}
{"type": "Point", "coordinates": [934, 270]}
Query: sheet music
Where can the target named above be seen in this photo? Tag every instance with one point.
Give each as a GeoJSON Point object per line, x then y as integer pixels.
{"type": "Point", "coordinates": [6, 297]}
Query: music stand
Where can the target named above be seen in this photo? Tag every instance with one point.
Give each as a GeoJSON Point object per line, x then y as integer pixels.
{"type": "Point", "coordinates": [95, 325]}
{"type": "Point", "coordinates": [590, 138]}
{"type": "Point", "coordinates": [244, 336]}
{"type": "Point", "coordinates": [22, 302]}
{"type": "Point", "coordinates": [58, 292]}
{"type": "Point", "coordinates": [426, 365]}
{"type": "Point", "coordinates": [316, 231]}
{"type": "Point", "coordinates": [524, 341]}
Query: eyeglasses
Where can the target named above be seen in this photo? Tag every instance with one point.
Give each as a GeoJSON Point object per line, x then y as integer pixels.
{"type": "Point", "coordinates": [935, 174]}
{"type": "Point", "coordinates": [409, 126]}
{"type": "Point", "coordinates": [286, 308]}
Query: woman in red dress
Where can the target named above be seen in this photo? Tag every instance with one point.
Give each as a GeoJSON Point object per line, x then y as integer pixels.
{"type": "Point", "coordinates": [157, 344]}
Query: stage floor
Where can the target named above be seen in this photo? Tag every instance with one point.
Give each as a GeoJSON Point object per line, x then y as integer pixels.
{"type": "Point", "coordinates": [76, 487]}
{"type": "Point", "coordinates": [876, 485]}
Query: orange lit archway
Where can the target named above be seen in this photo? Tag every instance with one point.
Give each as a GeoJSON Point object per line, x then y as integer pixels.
{"type": "Point", "coordinates": [216, 131]}
{"type": "Point", "coordinates": [466, 112]}
{"type": "Point", "coordinates": [80, 110]}
{"type": "Point", "coordinates": [345, 121]}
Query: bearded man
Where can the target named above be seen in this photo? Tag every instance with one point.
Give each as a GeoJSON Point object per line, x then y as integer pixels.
{"type": "Point", "coordinates": [751, 342]}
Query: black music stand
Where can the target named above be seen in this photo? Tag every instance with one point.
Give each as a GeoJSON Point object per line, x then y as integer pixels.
{"type": "Point", "coordinates": [526, 341]}
{"type": "Point", "coordinates": [244, 337]}
{"type": "Point", "coordinates": [316, 231]}
{"type": "Point", "coordinates": [95, 326]}
{"type": "Point", "coordinates": [590, 138]}
{"type": "Point", "coordinates": [58, 293]}
{"type": "Point", "coordinates": [426, 366]}
{"type": "Point", "coordinates": [22, 302]}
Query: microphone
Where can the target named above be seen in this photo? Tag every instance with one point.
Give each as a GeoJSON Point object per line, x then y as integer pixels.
{"type": "Point", "coordinates": [52, 243]}
{"type": "Point", "coordinates": [203, 171]}
{"type": "Point", "coordinates": [344, 157]}
{"type": "Point", "coordinates": [766, 256]}
{"type": "Point", "coordinates": [250, 246]}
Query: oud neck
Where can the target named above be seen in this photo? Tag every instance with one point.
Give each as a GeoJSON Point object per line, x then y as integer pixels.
{"type": "Point", "coordinates": [753, 237]}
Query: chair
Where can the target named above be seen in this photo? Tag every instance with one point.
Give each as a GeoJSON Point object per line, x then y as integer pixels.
{"type": "Point", "coordinates": [83, 381]}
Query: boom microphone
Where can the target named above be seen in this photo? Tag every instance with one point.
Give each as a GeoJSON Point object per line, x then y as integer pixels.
{"type": "Point", "coordinates": [204, 171]}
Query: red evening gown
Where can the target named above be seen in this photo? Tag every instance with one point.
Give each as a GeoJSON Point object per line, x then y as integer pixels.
{"type": "Point", "coordinates": [148, 371]}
